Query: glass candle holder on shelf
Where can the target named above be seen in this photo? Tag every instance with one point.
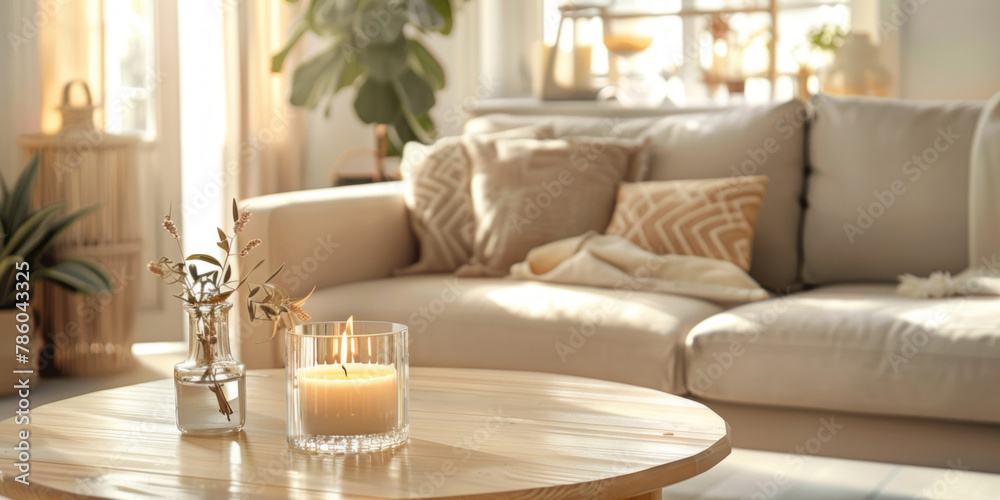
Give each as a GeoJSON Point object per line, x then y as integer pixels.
{"type": "Point", "coordinates": [625, 37]}
{"type": "Point", "coordinates": [348, 386]}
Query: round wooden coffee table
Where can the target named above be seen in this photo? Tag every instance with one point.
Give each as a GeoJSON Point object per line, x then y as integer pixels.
{"type": "Point", "coordinates": [473, 433]}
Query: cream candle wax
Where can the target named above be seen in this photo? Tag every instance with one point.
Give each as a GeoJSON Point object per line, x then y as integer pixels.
{"type": "Point", "coordinates": [349, 399]}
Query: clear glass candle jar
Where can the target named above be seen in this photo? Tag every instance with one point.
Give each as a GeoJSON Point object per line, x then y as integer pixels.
{"type": "Point", "coordinates": [348, 386]}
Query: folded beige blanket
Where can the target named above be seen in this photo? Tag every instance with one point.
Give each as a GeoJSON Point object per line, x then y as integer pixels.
{"type": "Point", "coordinates": [613, 262]}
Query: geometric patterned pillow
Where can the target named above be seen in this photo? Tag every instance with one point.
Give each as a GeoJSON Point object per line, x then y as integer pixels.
{"type": "Point", "coordinates": [437, 184]}
{"type": "Point", "coordinates": [437, 195]}
{"type": "Point", "coordinates": [708, 217]}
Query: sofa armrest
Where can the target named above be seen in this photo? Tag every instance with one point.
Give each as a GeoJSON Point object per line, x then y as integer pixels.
{"type": "Point", "coordinates": [324, 237]}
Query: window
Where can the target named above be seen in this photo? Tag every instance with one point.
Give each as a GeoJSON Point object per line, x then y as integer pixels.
{"type": "Point", "coordinates": [696, 57]}
{"type": "Point", "coordinates": [130, 77]}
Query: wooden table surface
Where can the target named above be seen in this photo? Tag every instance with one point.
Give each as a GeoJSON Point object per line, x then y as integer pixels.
{"type": "Point", "coordinates": [473, 434]}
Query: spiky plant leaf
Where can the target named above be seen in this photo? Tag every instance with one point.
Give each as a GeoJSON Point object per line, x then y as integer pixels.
{"type": "Point", "coordinates": [32, 231]}
{"type": "Point", "coordinates": [74, 275]}
{"type": "Point", "coordinates": [17, 202]}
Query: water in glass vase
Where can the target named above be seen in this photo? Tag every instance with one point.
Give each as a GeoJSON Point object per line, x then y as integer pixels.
{"type": "Point", "coordinates": [199, 408]}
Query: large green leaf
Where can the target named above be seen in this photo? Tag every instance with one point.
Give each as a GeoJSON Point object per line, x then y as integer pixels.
{"type": "Point", "coordinates": [278, 60]}
{"type": "Point", "coordinates": [426, 123]}
{"type": "Point", "coordinates": [417, 95]}
{"type": "Point", "coordinates": [415, 124]}
{"type": "Point", "coordinates": [385, 62]}
{"type": "Point", "coordinates": [377, 102]}
{"type": "Point", "coordinates": [352, 70]}
{"type": "Point", "coordinates": [400, 133]}
{"type": "Point", "coordinates": [381, 22]}
{"type": "Point", "coordinates": [444, 8]}
{"type": "Point", "coordinates": [331, 16]}
{"type": "Point", "coordinates": [313, 77]}
{"type": "Point", "coordinates": [424, 15]}
{"type": "Point", "coordinates": [427, 64]}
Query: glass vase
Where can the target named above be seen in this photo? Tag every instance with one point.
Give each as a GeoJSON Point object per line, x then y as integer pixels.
{"type": "Point", "coordinates": [210, 385]}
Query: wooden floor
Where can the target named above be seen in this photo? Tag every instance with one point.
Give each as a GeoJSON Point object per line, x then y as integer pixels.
{"type": "Point", "coordinates": [744, 475]}
{"type": "Point", "coordinates": [752, 475]}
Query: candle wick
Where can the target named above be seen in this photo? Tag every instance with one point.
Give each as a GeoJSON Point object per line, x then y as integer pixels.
{"type": "Point", "coordinates": [345, 369]}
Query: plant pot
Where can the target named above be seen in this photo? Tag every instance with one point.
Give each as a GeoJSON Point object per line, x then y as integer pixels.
{"type": "Point", "coordinates": [9, 320]}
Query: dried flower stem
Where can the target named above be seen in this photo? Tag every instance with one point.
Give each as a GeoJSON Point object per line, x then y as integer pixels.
{"type": "Point", "coordinates": [215, 286]}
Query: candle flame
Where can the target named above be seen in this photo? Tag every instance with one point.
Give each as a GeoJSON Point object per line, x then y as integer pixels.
{"type": "Point", "coordinates": [345, 349]}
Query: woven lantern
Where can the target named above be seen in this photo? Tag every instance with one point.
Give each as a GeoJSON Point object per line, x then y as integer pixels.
{"type": "Point", "coordinates": [82, 166]}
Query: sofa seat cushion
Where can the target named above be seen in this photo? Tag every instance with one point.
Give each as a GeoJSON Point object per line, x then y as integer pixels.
{"type": "Point", "coordinates": [618, 335]}
{"type": "Point", "coordinates": [858, 348]}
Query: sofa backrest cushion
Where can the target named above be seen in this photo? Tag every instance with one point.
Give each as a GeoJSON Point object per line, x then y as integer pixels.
{"type": "Point", "coordinates": [750, 140]}
{"type": "Point", "coordinates": [888, 189]}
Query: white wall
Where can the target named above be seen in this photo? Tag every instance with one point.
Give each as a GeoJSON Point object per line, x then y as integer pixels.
{"type": "Point", "coordinates": [20, 97]}
{"type": "Point", "coordinates": [948, 49]}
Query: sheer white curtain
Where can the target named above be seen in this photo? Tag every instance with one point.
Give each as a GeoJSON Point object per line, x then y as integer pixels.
{"type": "Point", "coordinates": [270, 132]}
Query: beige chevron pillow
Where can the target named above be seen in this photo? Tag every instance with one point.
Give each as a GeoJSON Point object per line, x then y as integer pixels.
{"type": "Point", "coordinates": [709, 217]}
{"type": "Point", "coordinates": [438, 197]}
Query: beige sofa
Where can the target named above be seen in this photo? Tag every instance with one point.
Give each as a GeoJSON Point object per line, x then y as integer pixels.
{"type": "Point", "coordinates": [836, 364]}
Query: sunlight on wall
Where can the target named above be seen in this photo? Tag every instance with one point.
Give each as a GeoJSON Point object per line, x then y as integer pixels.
{"type": "Point", "coordinates": [203, 122]}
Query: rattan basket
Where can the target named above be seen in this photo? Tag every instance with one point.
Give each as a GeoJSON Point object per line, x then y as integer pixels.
{"type": "Point", "coordinates": [82, 167]}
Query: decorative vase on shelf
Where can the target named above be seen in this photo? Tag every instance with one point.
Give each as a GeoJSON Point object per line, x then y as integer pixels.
{"type": "Point", "coordinates": [210, 385]}
{"type": "Point", "coordinates": [858, 69]}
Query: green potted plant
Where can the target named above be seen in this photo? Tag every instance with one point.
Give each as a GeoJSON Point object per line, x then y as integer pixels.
{"type": "Point", "coordinates": [25, 235]}
{"type": "Point", "coordinates": [374, 46]}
